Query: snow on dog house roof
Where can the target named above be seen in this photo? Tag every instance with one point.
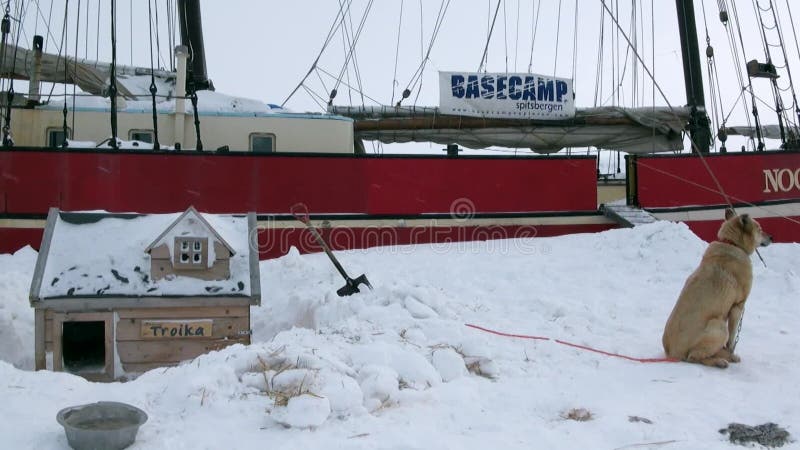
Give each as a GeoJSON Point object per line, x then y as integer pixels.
{"type": "Point", "coordinates": [90, 257]}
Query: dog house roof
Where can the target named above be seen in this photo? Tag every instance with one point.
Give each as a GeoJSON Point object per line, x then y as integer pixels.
{"type": "Point", "coordinates": [102, 255]}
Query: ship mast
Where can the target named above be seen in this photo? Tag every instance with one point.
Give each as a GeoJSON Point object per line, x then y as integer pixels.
{"type": "Point", "coordinates": [699, 124]}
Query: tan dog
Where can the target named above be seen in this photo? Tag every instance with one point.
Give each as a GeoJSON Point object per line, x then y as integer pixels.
{"type": "Point", "coordinates": [703, 325]}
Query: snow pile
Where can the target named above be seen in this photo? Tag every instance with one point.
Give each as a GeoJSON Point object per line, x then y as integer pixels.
{"type": "Point", "coordinates": [397, 368]}
{"type": "Point", "coordinates": [16, 315]}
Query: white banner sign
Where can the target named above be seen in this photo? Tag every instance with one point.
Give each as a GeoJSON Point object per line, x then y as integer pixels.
{"type": "Point", "coordinates": [506, 95]}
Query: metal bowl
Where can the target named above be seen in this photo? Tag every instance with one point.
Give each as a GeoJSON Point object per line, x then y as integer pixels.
{"type": "Point", "coordinates": [101, 425]}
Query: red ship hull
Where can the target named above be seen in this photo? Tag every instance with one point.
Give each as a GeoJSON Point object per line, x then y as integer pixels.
{"type": "Point", "coordinates": [368, 201]}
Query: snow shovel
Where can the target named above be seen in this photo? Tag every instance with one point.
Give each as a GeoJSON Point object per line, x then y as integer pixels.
{"type": "Point", "coordinates": [300, 212]}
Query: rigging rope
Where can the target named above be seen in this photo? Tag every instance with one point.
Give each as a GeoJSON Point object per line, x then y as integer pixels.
{"type": "Point", "coordinates": [749, 81]}
{"type": "Point", "coordinates": [112, 88]}
{"type": "Point", "coordinates": [131, 29]}
{"type": "Point", "coordinates": [558, 35]}
{"type": "Point", "coordinates": [64, 39]}
{"type": "Point", "coordinates": [397, 50]}
{"type": "Point", "coordinates": [158, 35]}
{"type": "Point", "coordinates": [537, 8]}
{"type": "Point", "coordinates": [153, 87]}
{"type": "Point", "coordinates": [716, 105]}
{"type": "Point", "coordinates": [346, 85]}
{"type": "Point", "coordinates": [6, 29]}
{"type": "Point", "coordinates": [337, 22]}
{"type": "Point", "coordinates": [723, 15]}
{"type": "Point", "coordinates": [352, 48]}
{"type": "Point", "coordinates": [516, 39]}
{"type": "Point", "coordinates": [75, 65]}
{"type": "Point", "coordinates": [575, 47]}
{"type": "Point", "coordinates": [788, 72]}
{"type": "Point", "coordinates": [97, 36]}
{"type": "Point", "coordinates": [653, 62]}
{"type": "Point", "coordinates": [58, 58]}
{"type": "Point", "coordinates": [49, 21]}
{"type": "Point", "coordinates": [170, 32]}
{"type": "Point", "coordinates": [598, 80]}
{"type": "Point", "coordinates": [489, 37]}
{"type": "Point", "coordinates": [86, 33]}
{"type": "Point", "coordinates": [505, 33]}
{"type": "Point", "coordinates": [776, 92]}
{"type": "Point", "coordinates": [352, 44]}
{"type": "Point", "coordinates": [417, 77]}
{"type": "Point", "coordinates": [672, 109]}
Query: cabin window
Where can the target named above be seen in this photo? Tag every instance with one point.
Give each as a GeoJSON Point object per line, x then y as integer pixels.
{"type": "Point", "coordinates": [192, 253]}
{"type": "Point", "coordinates": [142, 135]}
{"type": "Point", "coordinates": [262, 142]}
{"type": "Point", "coordinates": [56, 137]}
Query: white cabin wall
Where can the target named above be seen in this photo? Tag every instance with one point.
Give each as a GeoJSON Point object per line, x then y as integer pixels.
{"type": "Point", "coordinates": [306, 134]}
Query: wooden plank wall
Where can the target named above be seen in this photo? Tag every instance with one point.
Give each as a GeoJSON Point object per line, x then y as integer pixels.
{"type": "Point", "coordinates": [231, 325]}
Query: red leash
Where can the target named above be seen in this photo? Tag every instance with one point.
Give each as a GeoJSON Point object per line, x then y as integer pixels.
{"type": "Point", "coordinates": [582, 347]}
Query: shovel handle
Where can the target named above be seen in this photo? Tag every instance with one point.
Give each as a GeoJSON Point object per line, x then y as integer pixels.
{"type": "Point", "coordinates": [300, 212]}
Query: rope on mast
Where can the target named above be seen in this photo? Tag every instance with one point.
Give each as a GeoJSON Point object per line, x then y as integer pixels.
{"type": "Point", "coordinates": [489, 38]}
{"type": "Point", "coordinates": [598, 79]}
{"type": "Point", "coordinates": [97, 35]}
{"type": "Point", "coordinates": [717, 108]}
{"type": "Point", "coordinates": [793, 141]}
{"type": "Point", "coordinates": [797, 47]}
{"type": "Point", "coordinates": [397, 50]}
{"type": "Point", "coordinates": [758, 10]}
{"type": "Point", "coordinates": [575, 46]}
{"type": "Point", "coordinates": [75, 64]}
{"type": "Point", "coordinates": [516, 39]}
{"type": "Point", "coordinates": [64, 38]}
{"type": "Point", "coordinates": [153, 87]}
{"type": "Point", "coordinates": [351, 53]}
{"type": "Point", "coordinates": [112, 88]}
{"type": "Point", "coordinates": [337, 22]}
{"type": "Point", "coordinates": [558, 35]}
{"type": "Point", "coordinates": [86, 35]}
{"type": "Point", "coordinates": [5, 28]}
{"type": "Point", "coordinates": [417, 77]}
{"type": "Point", "coordinates": [534, 12]}
{"type": "Point", "coordinates": [754, 111]}
{"type": "Point", "coordinates": [672, 109]}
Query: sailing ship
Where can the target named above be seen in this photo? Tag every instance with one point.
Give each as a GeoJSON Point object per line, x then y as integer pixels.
{"type": "Point", "coordinates": [174, 142]}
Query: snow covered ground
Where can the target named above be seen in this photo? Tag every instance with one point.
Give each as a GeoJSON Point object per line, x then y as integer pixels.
{"type": "Point", "coordinates": [396, 368]}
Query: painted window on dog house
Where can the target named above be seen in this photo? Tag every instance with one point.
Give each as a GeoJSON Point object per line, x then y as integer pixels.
{"type": "Point", "coordinates": [191, 253]}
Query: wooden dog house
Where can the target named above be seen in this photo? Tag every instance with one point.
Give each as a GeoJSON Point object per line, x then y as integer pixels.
{"type": "Point", "coordinates": [118, 294]}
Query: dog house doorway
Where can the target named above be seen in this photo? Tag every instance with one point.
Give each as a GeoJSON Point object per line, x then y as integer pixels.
{"type": "Point", "coordinates": [83, 344]}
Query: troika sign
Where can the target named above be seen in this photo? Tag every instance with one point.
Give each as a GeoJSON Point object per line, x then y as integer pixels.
{"type": "Point", "coordinates": [171, 329]}
{"type": "Point", "coordinates": [506, 95]}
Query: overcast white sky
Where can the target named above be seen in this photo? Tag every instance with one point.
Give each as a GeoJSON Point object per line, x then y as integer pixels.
{"type": "Point", "coordinates": [262, 49]}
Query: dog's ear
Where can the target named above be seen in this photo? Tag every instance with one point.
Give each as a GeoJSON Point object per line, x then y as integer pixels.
{"type": "Point", "coordinates": [747, 222]}
{"type": "Point", "coordinates": [729, 212]}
